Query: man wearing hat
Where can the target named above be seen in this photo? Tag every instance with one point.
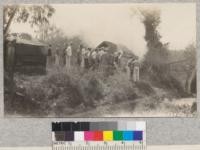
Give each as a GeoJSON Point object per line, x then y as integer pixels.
{"type": "Point", "coordinates": [133, 68]}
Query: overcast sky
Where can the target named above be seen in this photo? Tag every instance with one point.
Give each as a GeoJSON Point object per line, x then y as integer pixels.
{"type": "Point", "coordinates": [115, 22]}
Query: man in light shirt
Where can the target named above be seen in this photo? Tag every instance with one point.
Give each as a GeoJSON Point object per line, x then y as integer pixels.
{"type": "Point", "coordinates": [136, 76]}
{"type": "Point", "coordinates": [93, 59]}
{"type": "Point", "coordinates": [68, 55]}
{"type": "Point", "coordinates": [101, 52]}
{"type": "Point", "coordinates": [117, 58]}
{"type": "Point", "coordinates": [83, 51]}
{"type": "Point", "coordinates": [133, 67]}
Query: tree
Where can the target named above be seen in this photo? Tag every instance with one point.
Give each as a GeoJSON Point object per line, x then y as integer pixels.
{"type": "Point", "coordinates": [190, 55]}
{"type": "Point", "coordinates": [59, 41]}
{"type": "Point", "coordinates": [157, 53]}
{"type": "Point", "coordinates": [190, 66]}
{"type": "Point", "coordinates": [48, 33]}
{"type": "Point", "coordinates": [35, 15]}
{"type": "Point", "coordinates": [151, 21]}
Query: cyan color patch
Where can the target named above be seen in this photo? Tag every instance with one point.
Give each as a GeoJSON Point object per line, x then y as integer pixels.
{"type": "Point", "coordinates": [128, 135]}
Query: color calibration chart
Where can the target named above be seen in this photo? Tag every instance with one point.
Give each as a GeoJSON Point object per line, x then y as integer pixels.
{"type": "Point", "coordinates": [126, 135]}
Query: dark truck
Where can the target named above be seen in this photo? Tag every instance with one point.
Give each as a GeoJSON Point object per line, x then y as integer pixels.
{"type": "Point", "coordinates": [25, 56]}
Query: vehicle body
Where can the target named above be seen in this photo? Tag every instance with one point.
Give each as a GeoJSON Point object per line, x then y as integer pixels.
{"type": "Point", "coordinates": [113, 48]}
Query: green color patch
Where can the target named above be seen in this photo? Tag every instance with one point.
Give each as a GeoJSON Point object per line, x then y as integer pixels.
{"type": "Point", "coordinates": [118, 135]}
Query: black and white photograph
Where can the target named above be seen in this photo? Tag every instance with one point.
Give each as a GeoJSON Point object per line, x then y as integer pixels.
{"type": "Point", "coordinates": [100, 60]}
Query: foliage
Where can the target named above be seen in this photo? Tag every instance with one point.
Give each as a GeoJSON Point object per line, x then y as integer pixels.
{"type": "Point", "coordinates": [25, 36]}
{"type": "Point", "coordinates": [157, 53]}
{"type": "Point", "coordinates": [166, 81]}
{"type": "Point", "coordinates": [49, 33]}
{"type": "Point", "coordinates": [120, 89]}
{"type": "Point", "coordinates": [63, 92]}
{"type": "Point", "coordinates": [190, 56]}
{"type": "Point", "coordinates": [35, 15]}
{"type": "Point", "coordinates": [56, 37]}
{"type": "Point", "coordinates": [151, 21]}
{"type": "Point", "coordinates": [92, 88]}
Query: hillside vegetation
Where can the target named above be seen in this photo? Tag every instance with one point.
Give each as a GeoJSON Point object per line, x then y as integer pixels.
{"type": "Point", "coordinates": [80, 93]}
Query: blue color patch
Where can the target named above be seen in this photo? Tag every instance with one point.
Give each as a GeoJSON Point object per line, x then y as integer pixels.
{"type": "Point", "coordinates": [138, 135]}
{"type": "Point", "coordinates": [128, 135]}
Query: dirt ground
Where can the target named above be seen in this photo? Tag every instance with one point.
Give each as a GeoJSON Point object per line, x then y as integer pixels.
{"type": "Point", "coordinates": [131, 109]}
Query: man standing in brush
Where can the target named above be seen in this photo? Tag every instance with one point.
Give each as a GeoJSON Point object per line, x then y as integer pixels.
{"type": "Point", "coordinates": [57, 61]}
{"type": "Point", "coordinates": [68, 55]}
{"type": "Point", "coordinates": [79, 55]}
{"type": "Point", "coordinates": [83, 57]}
{"type": "Point", "coordinates": [86, 57]}
{"type": "Point", "coordinates": [136, 71]}
{"type": "Point", "coordinates": [93, 59]}
{"type": "Point", "coordinates": [100, 56]}
{"type": "Point", "coordinates": [49, 56]}
{"type": "Point", "coordinates": [133, 69]}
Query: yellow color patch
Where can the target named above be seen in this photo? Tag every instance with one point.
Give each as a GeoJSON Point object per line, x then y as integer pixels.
{"type": "Point", "coordinates": [107, 135]}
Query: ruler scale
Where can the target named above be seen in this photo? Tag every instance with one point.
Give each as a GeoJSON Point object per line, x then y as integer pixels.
{"type": "Point", "coordinates": [99, 135]}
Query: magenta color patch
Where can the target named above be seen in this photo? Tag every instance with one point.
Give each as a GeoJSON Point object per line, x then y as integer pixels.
{"type": "Point", "coordinates": [88, 135]}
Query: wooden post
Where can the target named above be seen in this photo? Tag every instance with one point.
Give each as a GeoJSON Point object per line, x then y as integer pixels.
{"type": "Point", "coordinates": [10, 65]}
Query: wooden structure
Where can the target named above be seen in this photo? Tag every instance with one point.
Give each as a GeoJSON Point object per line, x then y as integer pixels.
{"type": "Point", "coordinates": [23, 55]}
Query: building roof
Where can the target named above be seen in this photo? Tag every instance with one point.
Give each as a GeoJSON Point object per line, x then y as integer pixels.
{"type": "Point", "coordinates": [26, 42]}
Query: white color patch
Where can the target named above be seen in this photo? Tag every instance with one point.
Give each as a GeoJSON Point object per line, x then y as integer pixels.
{"type": "Point", "coordinates": [140, 125]}
{"type": "Point", "coordinates": [79, 136]}
{"type": "Point", "coordinates": [131, 125]}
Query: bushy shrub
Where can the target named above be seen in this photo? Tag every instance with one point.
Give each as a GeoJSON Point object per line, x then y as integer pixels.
{"type": "Point", "coordinates": [92, 88]}
{"type": "Point", "coordinates": [60, 91]}
{"type": "Point", "coordinates": [121, 88]}
{"type": "Point", "coordinates": [145, 88]}
{"type": "Point", "coordinates": [161, 78]}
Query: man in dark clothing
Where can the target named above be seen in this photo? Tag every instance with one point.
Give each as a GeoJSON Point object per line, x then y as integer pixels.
{"type": "Point", "coordinates": [49, 56]}
{"type": "Point", "coordinates": [79, 55]}
{"type": "Point", "coordinates": [49, 51]}
{"type": "Point", "coordinates": [86, 57]}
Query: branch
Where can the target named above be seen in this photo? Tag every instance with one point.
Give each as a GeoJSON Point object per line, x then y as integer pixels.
{"type": "Point", "coordinates": [9, 21]}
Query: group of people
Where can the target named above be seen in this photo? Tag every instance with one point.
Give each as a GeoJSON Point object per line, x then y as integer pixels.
{"type": "Point", "coordinates": [95, 59]}
{"type": "Point", "coordinates": [55, 58]}
{"type": "Point", "coordinates": [98, 58]}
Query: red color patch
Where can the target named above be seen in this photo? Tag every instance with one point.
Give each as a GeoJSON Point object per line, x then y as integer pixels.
{"type": "Point", "coordinates": [98, 136]}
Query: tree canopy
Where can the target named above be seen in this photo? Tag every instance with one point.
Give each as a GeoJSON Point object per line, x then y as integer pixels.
{"type": "Point", "coordinates": [35, 15]}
